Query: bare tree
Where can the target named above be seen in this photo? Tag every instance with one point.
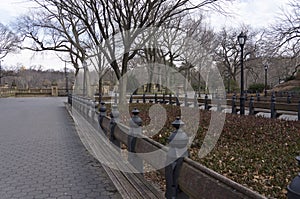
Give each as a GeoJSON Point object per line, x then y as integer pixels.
{"type": "Point", "coordinates": [53, 29]}
{"type": "Point", "coordinates": [199, 49]}
{"type": "Point", "coordinates": [103, 19]}
{"type": "Point", "coordinates": [228, 53]}
{"type": "Point", "coordinates": [184, 43]}
{"type": "Point", "coordinates": [113, 26]}
{"type": "Point", "coordinates": [285, 37]}
{"type": "Point", "coordinates": [8, 41]}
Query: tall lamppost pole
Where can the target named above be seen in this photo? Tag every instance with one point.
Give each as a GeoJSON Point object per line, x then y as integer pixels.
{"type": "Point", "coordinates": [0, 73]}
{"type": "Point", "coordinates": [266, 79]}
{"type": "Point", "coordinates": [67, 79]}
{"type": "Point", "coordinates": [242, 40]}
{"type": "Point", "coordinates": [228, 82]}
{"type": "Point", "coordinates": [84, 64]}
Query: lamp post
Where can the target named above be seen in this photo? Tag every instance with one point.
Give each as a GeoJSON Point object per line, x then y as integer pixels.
{"type": "Point", "coordinates": [266, 80]}
{"type": "Point", "coordinates": [227, 76]}
{"type": "Point", "coordinates": [67, 79]}
{"type": "Point", "coordinates": [228, 82]}
{"type": "Point", "coordinates": [84, 64]}
{"type": "Point", "coordinates": [242, 40]}
{"type": "Point", "coordinates": [0, 73]}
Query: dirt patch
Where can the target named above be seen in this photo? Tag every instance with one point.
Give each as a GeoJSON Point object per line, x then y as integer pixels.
{"type": "Point", "coordinates": [287, 86]}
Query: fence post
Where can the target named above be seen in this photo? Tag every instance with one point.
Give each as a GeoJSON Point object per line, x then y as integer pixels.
{"type": "Point", "coordinates": [164, 100]}
{"type": "Point", "coordinates": [135, 131]}
{"type": "Point", "coordinates": [102, 114]}
{"type": "Point", "coordinates": [83, 106]}
{"type": "Point", "coordinates": [195, 101]}
{"type": "Point", "coordinates": [299, 110]}
{"type": "Point", "coordinates": [130, 99]}
{"type": "Point", "coordinates": [219, 108]}
{"type": "Point", "coordinates": [251, 106]}
{"type": "Point", "coordinates": [116, 98]}
{"type": "Point", "coordinates": [273, 106]}
{"type": "Point", "coordinates": [155, 98]}
{"type": "Point", "coordinates": [79, 104]}
{"type": "Point", "coordinates": [88, 109]}
{"type": "Point", "coordinates": [185, 100]}
{"type": "Point", "coordinates": [93, 106]}
{"type": "Point", "coordinates": [233, 105]}
{"type": "Point", "coordinates": [114, 119]}
{"type": "Point", "coordinates": [206, 102]}
{"type": "Point", "coordinates": [170, 99]}
{"type": "Point", "coordinates": [289, 98]}
{"type": "Point", "coordinates": [257, 96]}
{"type": "Point", "coordinates": [177, 100]}
{"type": "Point", "coordinates": [70, 99]}
{"type": "Point", "coordinates": [144, 98]}
{"type": "Point", "coordinates": [75, 102]}
{"type": "Point", "coordinates": [178, 141]}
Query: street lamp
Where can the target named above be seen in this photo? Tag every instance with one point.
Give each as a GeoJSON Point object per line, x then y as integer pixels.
{"type": "Point", "coordinates": [227, 76]}
{"type": "Point", "coordinates": [242, 40]}
{"type": "Point", "coordinates": [0, 73]}
{"type": "Point", "coordinates": [67, 79]}
{"type": "Point", "coordinates": [84, 64]}
{"type": "Point", "coordinates": [266, 80]}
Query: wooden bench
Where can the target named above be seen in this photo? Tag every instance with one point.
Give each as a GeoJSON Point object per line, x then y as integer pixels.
{"type": "Point", "coordinates": [129, 184]}
{"type": "Point", "coordinates": [195, 180]}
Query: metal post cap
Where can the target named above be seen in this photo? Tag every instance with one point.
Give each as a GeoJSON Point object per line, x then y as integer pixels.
{"type": "Point", "coordinates": [114, 112]}
{"type": "Point", "coordinates": [136, 121]}
{"type": "Point", "coordinates": [177, 123]}
{"type": "Point", "coordinates": [273, 98]}
{"type": "Point", "coordinates": [135, 111]}
{"type": "Point", "coordinates": [102, 107]}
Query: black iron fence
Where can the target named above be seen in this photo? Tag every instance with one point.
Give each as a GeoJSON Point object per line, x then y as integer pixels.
{"type": "Point", "coordinates": [254, 103]}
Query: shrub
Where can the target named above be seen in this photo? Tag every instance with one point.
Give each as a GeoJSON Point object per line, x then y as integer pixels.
{"type": "Point", "coordinates": [234, 86]}
{"type": "Point", "coordinates": [259, 87]}
{"type": "Point", "coordinates": [289, 78]}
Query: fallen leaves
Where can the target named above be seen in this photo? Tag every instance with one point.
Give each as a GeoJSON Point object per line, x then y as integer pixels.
{"type": "Point", "coordinates": [256, 152]}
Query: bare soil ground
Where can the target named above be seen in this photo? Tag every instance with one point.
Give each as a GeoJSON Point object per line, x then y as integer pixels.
{"type": "Point", "coordinates": [289, 85]}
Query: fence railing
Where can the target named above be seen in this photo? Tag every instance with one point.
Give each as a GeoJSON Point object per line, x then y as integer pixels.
{"type": "Point", "coordinates": [185, 178]}
{"type": "Point", "coordinates": [254, 103]}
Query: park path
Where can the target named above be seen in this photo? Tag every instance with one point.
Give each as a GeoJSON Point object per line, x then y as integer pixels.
{"type": "Point", "coordinates": [41, 155]}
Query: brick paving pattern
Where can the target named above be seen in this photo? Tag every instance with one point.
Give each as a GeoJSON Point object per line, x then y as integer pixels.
{"type": "Point", "coordinates": [41, 155]}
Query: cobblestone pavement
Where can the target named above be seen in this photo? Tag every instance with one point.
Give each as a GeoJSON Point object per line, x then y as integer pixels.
{"type": "Point", "coordinates": [41, 155]}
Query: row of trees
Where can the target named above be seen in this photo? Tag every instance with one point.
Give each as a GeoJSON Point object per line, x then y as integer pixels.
{"type": "Point", "coordinates": [35, 77]}
{"type": "Point", "coordinates": [119, 35]}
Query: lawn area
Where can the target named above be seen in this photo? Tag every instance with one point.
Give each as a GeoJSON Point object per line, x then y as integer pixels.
{"type": "Point", "coordinates": [258, 153]}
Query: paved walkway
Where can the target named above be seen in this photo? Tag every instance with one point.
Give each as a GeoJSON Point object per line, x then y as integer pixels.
{"type": "Point", "coordinates": [41, 155]}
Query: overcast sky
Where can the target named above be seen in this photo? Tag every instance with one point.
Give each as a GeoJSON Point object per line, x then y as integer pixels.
{"type": "Point", "coordinates": [256, 13]}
